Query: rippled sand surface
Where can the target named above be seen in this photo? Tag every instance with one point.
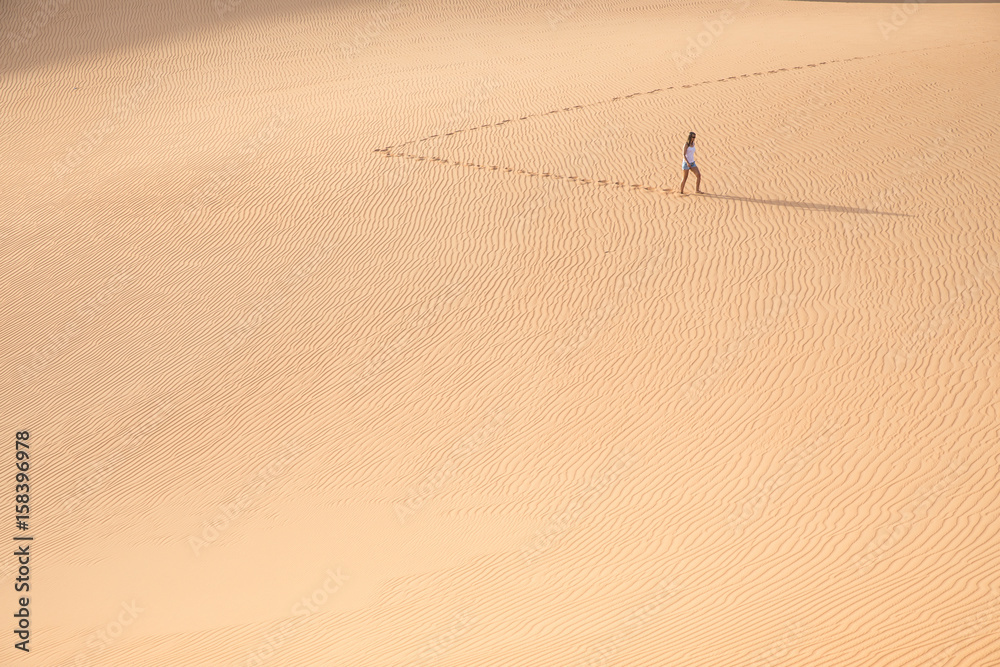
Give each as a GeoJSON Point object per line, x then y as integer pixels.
{"type": "Point", "coordinates": [379, 334]}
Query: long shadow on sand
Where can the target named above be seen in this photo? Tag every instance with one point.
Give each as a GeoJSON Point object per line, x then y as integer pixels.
{"type": "Point", "coordinates": [809, 206]}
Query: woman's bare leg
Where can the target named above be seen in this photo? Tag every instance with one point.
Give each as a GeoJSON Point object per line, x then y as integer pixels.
{"type": "Point", "coordinates": [684, 181]}
{"type": "Point", "coordinates": [697, 185]}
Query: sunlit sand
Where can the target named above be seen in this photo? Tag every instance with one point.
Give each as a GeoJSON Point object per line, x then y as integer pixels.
{"type": "Point", "coordinates": [380, 334]}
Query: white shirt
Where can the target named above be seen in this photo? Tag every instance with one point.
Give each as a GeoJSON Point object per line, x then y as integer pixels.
{"type": "Point", "coordinates": [689, 154]}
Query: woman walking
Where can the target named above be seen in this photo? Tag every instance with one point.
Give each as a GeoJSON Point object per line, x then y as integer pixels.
{"type": "Point", "coordinates": [690, 165]}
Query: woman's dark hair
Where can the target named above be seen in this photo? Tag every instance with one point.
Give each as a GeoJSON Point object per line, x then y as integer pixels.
{"type": "Point", "coordinates": [691, 136]}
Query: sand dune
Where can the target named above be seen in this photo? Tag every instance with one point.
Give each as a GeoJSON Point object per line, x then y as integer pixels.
{"type": "Point", "coordinates": [380, 334]}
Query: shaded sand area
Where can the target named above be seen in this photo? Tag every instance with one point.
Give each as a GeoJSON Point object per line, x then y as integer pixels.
{"type": "Point", "coordinates": [314, 378]}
